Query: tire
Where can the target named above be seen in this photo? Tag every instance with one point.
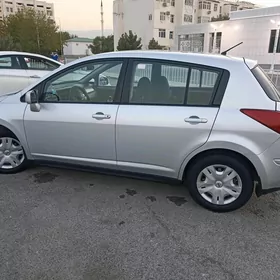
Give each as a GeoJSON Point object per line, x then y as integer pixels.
{"type": "Point", "coordinates": [226, 192]}
{"type": "Point", "coordinates": [12, 155]}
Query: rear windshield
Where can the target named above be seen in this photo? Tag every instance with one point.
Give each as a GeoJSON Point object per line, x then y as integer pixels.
{"type": "Point", "coordinates": [266, 83]}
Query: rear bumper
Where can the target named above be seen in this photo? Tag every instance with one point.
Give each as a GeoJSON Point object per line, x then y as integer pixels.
{"type": "Point", "coordinates": [260, 191]}
{"type": "Point", "coordinates": [269, 170]}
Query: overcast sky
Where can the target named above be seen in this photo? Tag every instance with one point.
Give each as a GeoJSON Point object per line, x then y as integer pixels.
{"type": "Point", "coordinates": [85, 14]}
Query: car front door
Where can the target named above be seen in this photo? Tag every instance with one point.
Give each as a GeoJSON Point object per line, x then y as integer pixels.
{"type": "Point", "coordinates": [12, 76]}
{"type": "Point", "coordinates": [76, 122]}
{"type": "Point", "coordinates": [167, 112]}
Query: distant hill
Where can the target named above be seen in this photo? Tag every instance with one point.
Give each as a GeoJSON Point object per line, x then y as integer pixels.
{"type": "Point", "coordinates": [90, 33]}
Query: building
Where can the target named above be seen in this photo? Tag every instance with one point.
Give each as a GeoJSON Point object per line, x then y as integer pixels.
{"type": "Point", "coordinates": [77, 47]}
{"type": "Point", "coordinates": [208, 10]}
{"type": "Point", "coordinates": [8, 7]}
{"type": "Point", "coordinates": [258, 29]}
{"type": "Point", "coordinates": [157, 18]}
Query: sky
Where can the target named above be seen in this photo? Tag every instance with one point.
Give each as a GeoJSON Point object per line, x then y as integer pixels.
{"type": "Point", "coordinates": [84, 15]}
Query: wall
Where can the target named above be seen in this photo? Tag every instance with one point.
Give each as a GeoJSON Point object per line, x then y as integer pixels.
{"type": "Point", "coordinates": [254, 32]}
{"type": "Point", "coordinates": [77, 49]}
{"type": "Point", "coordinates": [133, 15]}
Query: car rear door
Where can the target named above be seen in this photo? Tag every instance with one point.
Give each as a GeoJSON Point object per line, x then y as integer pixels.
{"type": "Point", "coordinates": [12, 76]}
{"type": "Point", "coordinates": [167, 111]}
{"type": "Point", "coordinates": [37, 67]}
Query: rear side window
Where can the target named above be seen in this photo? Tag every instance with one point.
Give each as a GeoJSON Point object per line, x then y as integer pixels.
{"type": "Point", "coordinates": [266, 83]}
{"type": "Point", "coordinates": [169, 83]}
{"type": "Point", "coordinates": [37, 63]}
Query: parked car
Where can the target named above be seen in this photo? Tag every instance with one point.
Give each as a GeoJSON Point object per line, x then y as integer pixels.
{"type": "Point", "coordinates": [19, 70]}
{"type": "Point", "coordinates": [209, 121]}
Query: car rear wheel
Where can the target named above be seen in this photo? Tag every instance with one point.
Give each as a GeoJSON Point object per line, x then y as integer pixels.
{"type": "Point", "coordinates": [12, 156]}
{"type": "Point", "coordinates": [220, 183]}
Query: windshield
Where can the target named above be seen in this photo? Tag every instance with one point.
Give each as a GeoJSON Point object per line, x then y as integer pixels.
{"type": "Point", "coordinates": [266, 83]}
{"type": "Point", "coordinates": [77, 75]}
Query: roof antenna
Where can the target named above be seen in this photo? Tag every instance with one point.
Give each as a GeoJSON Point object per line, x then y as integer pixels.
{"type": "Point", "coordinates": [225, 52]}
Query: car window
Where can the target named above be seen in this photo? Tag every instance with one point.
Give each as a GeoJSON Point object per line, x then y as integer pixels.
{"type": "Point", "coordinates": [266, 83]}
{"type": "Point", "coordinates": [87, 83]}
{"type": "Point", "coordinates": [34, 63]}
{"type": "Point", "coordinates": [168, 84]}
{"type": "Point", "coordinates": [9, 62]}
{"type": "Point", "coordinates": [202, 87]}
{"type": "Point", "coordinates": [162, 83]}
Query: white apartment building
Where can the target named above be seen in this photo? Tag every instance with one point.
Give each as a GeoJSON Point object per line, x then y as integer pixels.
{"type": "Point", "coordinates": [8, 7]}
{"type": "Point", "coordinates": [258, 29]}
{"type": "Point", "coordinates": [205, 11]}
{"type": "Point", "coordinates": [157, 18]}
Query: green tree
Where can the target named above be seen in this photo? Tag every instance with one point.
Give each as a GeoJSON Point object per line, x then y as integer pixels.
{"type": "Point", "coordinates": [35, 32]}
{"type": "Point", "coordinates": [154, 45]}
{"type": "Point", "coordinates": [220, 18]}
{"type": "Point", "coordinates": [7, 44]}
{"type": "Point", "coordinates": [61, 38]}
{"type": "Point", "coordinates": [129, 41]}
{"type": "Point", "coordinates": [102, 44]}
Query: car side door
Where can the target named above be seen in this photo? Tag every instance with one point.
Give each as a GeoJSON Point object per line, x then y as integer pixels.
{"type": "Point", "coordinates": [37, 67]}
{"type": "Point", "coordinates": [12, 76]}
{"type": "Point", "coordinates": [76, 122]}
{"type": "Point", "coordinates": [167, 111]}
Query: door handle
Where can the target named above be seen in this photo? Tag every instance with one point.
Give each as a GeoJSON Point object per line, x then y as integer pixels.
{"type": "Point", "coordinates": [101, 116]}
{"type": "Point", "coordinates": [195, 120]}
{"type": "Point", "coordinates": [34, 76]}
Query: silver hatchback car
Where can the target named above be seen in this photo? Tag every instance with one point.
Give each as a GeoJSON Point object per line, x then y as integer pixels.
{"type": "Point", "coordinates": [209, 121]}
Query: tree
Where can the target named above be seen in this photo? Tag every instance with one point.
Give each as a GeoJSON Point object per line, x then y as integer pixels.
{"type": "Point", "coordinates": [34, 31]}
{"type": "Point", "coordinates": [220, 18]}
{"type": "Point", "coordinates": [154, 45]}
{"type": "Point", "coordinates": [102, 44]}
{"type": "Point", "coordinates": [129, 41]}
{"type": "Point", "coordinates": [7, 44]}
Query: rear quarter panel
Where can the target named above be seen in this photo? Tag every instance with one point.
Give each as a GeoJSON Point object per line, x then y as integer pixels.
{"type": "Point", "coordinates": [235, 131]}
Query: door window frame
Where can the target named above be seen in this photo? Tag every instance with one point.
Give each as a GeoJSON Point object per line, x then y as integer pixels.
{"type": "Point", "coordinates": [25, 66]}
{"type": "Point", "coordinates": [39, 88]}
{"type": "Point", "coordinates": [12, 56]}
{"type": "Point", "coordinates": [219, 88]}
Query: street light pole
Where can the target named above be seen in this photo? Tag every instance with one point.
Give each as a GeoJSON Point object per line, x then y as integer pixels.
{"type": "Point", "coordinates": [60, 37]}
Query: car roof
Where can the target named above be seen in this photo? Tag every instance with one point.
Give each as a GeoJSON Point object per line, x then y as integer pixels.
{"type": "Point", "coordinates": [2, 53]}
{"type": "Point", "coordinates": [215, 60]}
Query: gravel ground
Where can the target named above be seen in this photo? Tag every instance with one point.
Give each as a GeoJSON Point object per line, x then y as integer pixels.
{"type": "Point", "coordinates": [64, 224]}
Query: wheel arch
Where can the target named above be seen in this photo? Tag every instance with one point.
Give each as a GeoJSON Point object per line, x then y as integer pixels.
{"type": "Point", "coordinates": [6, 127]}
{"type": "Point", "coordinates": [205, 153]}
{"type": "Point", "coordinates": [4, 130]}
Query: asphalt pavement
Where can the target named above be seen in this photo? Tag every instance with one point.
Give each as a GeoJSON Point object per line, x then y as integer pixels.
{"type": "Point", "coordinates": [63, 224]}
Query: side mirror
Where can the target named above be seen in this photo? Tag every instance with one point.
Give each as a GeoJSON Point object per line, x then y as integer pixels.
{"type": "Point", "coordinates": [31, 98]}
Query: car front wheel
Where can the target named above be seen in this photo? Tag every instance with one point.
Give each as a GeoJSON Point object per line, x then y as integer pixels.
{"type": "Point", "coordinates": [220, 183]}
{"type": "Point", "coordinates": [12, 156]}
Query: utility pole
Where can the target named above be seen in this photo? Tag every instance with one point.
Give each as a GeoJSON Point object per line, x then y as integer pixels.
{"type": "Point", "coordinates": [102, 20]}
{"type": "Point", "coordinates": [102, 24]}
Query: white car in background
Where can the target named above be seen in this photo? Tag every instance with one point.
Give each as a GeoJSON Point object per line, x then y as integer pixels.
{"type": "Point", "coordinates": [20, 69]}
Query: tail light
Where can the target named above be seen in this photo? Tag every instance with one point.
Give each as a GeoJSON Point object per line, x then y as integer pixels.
{"type": "Point", "coordinates": [270, 119]}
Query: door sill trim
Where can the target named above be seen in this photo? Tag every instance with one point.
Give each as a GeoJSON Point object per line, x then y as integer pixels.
{"type": "Point", "coordinates": [109, 171]}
